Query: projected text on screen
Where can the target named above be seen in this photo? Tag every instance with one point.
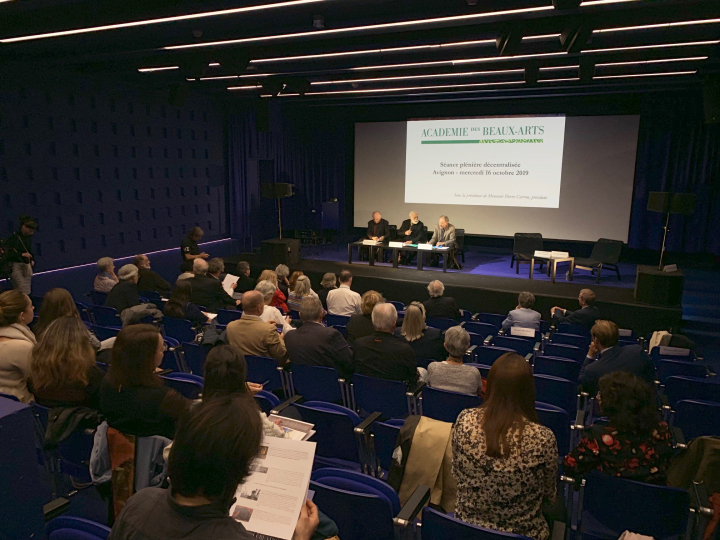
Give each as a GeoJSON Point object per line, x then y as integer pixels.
{"type": "Point", "coordinates": [513, 161]}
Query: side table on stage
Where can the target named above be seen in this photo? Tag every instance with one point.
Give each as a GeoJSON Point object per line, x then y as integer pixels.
{"type": "Point", "coordinates": [552, 259]}
{"type": "Point", "coordinates": [396, 249]}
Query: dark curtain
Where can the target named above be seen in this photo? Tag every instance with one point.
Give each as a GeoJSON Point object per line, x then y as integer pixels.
{"type": "Point", "coordinates": [308, 150]}
{"type": "Point", "coordinates": [677, 152]}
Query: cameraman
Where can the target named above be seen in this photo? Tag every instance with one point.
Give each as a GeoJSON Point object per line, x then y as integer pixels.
{"type": "Point", "coordinates": [20, 255]}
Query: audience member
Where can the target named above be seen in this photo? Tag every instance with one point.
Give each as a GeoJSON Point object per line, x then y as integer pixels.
{"type": "Point", "coordinates": [126, 293]}
{"type": "Point", "coordinates": [16, 343]}
{"type": "Point", "coordinates": [188, 274]}
{"type": "Point", "coordinates": [105, 279]}
{"type": "Point", "coordinates": [64, 372]}
{"type": "Point", "coordinates": [344, 301]}
{"type": "Point", "coordinates": [179, 305]}
{"type": "Point", "coordinates": [585, 316]}
{"type": "Point", "coordinates": [215, 444]}
{"type": "Point", "coordinates": [59, 303]}
{"type": "Point", "coordinates": [634, 443]}
{"type": "Point", "coordinates": [523, 316]}
{"type": "Point", "coordinates": [451, 374]}
{"type": "Point", "coordinates": [317, 345]}
{"type": "Point", "coordinates": [270, 313]}
{"type": "Point", "coordinates": [189, 248]}
{"type": "Point", "coordinates": [279, 298]}
{"type": "Point", "coordinates": [252, 335]}
{"type": "Point", "coordinates": [301, 290]}
{"type": "Point", "coordinates": [132, 396]}
{"type": "Point", "coordinates": [292, 280]}
{"type": "Point", "coordinates": [283, 284]}
{"type": "Point", "coordinates": [439, 306]}
{"type": "Point", "coordinates": [426, 342]}
{"type": "Point", "coordinates": [328, 283]}
{"type": "Point", "coordinates": [149, 280]}
{"type": "Point", "coordinates": [207, 289]}
{"type": "Point", "coordinates": [604, 356]}
{"type": "Point", "coordinates": [360, 324]}
{"type": "Point", "coordinates": [244, 283]}
{"type": "Point", "coordinates": [504, 461]}
{"type": "Point", "coordinates": [381, 354]}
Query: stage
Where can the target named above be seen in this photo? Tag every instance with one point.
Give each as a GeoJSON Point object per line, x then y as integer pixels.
{"type": "Point", "coordinates": [486, 283]}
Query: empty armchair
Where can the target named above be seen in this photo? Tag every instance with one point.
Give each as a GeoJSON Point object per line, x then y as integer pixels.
{"type": "Point", "coordinates": [524, 247]}
{"type": "Point", "coordinates": [605, 254]}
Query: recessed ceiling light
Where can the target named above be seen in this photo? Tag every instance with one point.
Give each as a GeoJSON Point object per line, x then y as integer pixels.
{"type": "Point", "coordinates": [377, 90]}
{"type": "Point", "coordinates": [659, 25]}
{"type": "Point", "coordinates": [432, 76]}
{"type": "Point", "coordinates": [162, 68]}
{"type": "Point", "coordinates": [658, 61]}
{"type": "Point", "coordinates": [398, 24]}
{"type": "Point", "coordinates": [661, 74]}
{"type": "Point", "coordinates": [203, 15]}
{"type": "Point", "coordinates": [658, 46]}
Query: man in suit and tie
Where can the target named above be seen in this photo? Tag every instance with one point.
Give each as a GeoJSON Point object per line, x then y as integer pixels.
{"type": "Point", "coordinates": [523, 316]}
{"type": "Point", "coordinates": [444, 235]}
{"type": "Point", "coordinates": [252, 335]}
{"type": "Point", "coordinates": [411, 232]}
{"type": "Point", "coordinates": [378, 229]}
{"type": "Point", "coordinates": [605, 356]}
{"type": "Point", "coordinates": [317, 345]}
{"type": "Point", "coordinates": [207, 289]}
{"type": "Point", "coordinates": [585, 316]}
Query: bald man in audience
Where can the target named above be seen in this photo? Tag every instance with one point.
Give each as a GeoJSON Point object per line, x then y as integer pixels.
{"type": "Point", "coordinates": [252, 335]}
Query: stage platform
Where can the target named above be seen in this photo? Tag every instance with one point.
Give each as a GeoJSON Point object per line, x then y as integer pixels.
{"type": "Point", "coordinates": [476, 291]}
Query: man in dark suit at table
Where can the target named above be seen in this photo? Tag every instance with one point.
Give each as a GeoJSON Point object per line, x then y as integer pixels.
{"type": "Point", "coordinates": [378, 229]}
{"type": "Point", "coordinates": [585, 316]}
{"type": "Point", "coordinates": [412, 231]}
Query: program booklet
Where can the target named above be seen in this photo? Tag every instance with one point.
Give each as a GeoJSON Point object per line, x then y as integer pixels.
{"type": "Point", "coordinates": [295, 429]}
{"type": "Point", "coordinates": [269, 501]}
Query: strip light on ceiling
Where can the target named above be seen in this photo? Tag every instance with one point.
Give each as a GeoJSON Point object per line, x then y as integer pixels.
{"type": "Point", "coordinates": [662, 74]}
{"type": "Point", "coordinates": [659, 25]}
{"type": "Point", "coordinates": [226, 77]}
{"type": "Point", "coordinates": [191, 16]}
{"type": "Point", "coordinates": [435, 87]}
{"type": "Point", "coordinates": [433, 76]}
{"type": "Point", "coordinates": [658, 46]}
{"type": "Point", "coordinates": [458, 62]}
{"type": "Point", "coordinates": [659, 61]}
{"type": "Point", "coordinates": [559, 80]}
{"type": "Point", "coordinates": [253, 87]}
{"type": "Point", "coordinates": [163, 68]}
{"type": "Point", "coordinates": [555, 68]}
{"type": "Point", "coordinates": [381, 26]}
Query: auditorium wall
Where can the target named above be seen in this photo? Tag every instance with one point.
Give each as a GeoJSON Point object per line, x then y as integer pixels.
{"type": "Point", "coordinates": [109, 169]}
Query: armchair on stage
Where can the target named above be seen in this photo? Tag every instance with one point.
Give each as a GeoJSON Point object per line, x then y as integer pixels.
{"type": "Point", "coordinates": [524, 247]}
{"type": "Point", "coordinates": [605, 254]}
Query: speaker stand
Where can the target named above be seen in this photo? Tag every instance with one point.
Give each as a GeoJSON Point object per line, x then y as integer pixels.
{"type": "Point", "coordinates": [665, 231]}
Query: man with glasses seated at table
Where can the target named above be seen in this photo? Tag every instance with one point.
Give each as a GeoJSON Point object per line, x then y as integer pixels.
{"type": "Point", "coordinates": [411, 232]}
{"type": "Point", "coordinates": [444, 235]}
{"type": "Point", "coordinates": [378, 229]}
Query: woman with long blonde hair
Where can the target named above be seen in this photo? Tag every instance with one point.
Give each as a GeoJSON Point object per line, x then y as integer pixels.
{"type": "Point", "coordinates": [63, 370]}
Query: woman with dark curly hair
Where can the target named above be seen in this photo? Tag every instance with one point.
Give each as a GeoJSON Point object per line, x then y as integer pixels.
{"type": "Point", "coordinates": [634, 444]}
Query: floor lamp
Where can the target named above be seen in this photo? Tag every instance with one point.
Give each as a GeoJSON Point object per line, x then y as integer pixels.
{"type": "Point", "coordinates": [670, 203]}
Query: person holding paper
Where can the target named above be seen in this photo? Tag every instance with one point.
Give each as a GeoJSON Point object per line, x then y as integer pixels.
{"type": "Point", "coordinates": [585, 316]}
{"type": "Point", "coordinates": [411, 232]}
{"type": "Point", "coordinates": [523, 315]}
{"type": "Point", "coordinates": [215, 444]}
{"type": "Point", "coordinates": [207, 289]}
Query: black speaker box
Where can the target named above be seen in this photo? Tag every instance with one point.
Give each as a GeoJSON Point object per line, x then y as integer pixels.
{"type": "Point", "coordinates": [659, 201]}
{"type": "Point", "coordinates": [276, 191]}
{"type": "Point", "coordinates": [280, 251]}
{"type": "Point", "coordinates": [711, 98]}
{"type": "Point", "coordinates": [658, 288]}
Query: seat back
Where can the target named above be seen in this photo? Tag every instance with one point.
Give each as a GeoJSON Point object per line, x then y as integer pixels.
{"type": "Point", "coordinates": [440, 323]}
{"type": "Point", "coordinates": [384, 437]}
{"type": "Point", "coordinates": [180, 329]}
{"type": "Point", "coordinates": [439, 526]}
{"type": "Point", "coordinates": [488, 355]}
{"type": "Point", "coordinates": [194, 357]}
{"type": "Point", "coordinates": [482, 328]}
{"type": "Point", "coordinates": [98, 298]}
{"type": "Point", "coordinates": [560, 338]}
{"type": "Point", "coordinates": [476, 339]}
{"type": "Point", "coordinates": [492, 318]}
{"type": "Point", "coordinates": [460, 238]}
{"type": "Point", "coordinates": [564, 351]}
{"type": "Point", "coordinates": [657, 511]}
{"type": "Point", "coordinates": [677, 388]}
{"type": "Point", "coordinates": [103, 332]}
{"type": "Point", "coordinates": [558, 421]}
{"type": "Point", "coordinates": [75, 528]}
{"type": "Point", "coordinates": [556, 391]}
{"type": "Point", "coordinates": [262, 369]}
{"type": "Point", "coordinates": [336, 320]}
{"type": "Point", "coordinates": [557, 367]}
{"type": "Point", "coordinates": [682, 368]}
{"type": "Point", "coordinates": [521, 346]}
{"type": "Point", "coordinates": [399, 306]}
{"type": "Point", "coordinates": [483, 368]}
{"type": "Point", "coordinates": [187, 384]}
{"type": "Point", "coordinates": [106, 316]}
{"type": "Point", "coordinates": [342, 329]}
{"type": "Point", "coordinates": [226, 316]}
{"type": "Point", "coordinates": [444, 405]}
{"type": "Point", "coordinates": [697, 418]}
{"type": "Point", "coordinates": [567, 328]}
{"type": "Point", "coordinates": [84, 311]}
{"type": "Point", "coordinates": [334, 426]}
{"type": "Point", "coordinates": [316, 383]}
{"type": "Point", "coordinates": [656, 355]}
{"type": "Point", "coordinates": [267, 401]}
{"type": "Point", "coordinates": [171, 357]}
{"type": "Point", "coordinates": [388, 397]}
{"type": "Point", "coordinates": [527, 243]}
{"type": "Point", "coordinates": [606, 250]}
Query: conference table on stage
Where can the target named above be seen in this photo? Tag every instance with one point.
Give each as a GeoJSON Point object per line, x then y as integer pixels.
{"type": "Point", "coordinates": [396, 250]}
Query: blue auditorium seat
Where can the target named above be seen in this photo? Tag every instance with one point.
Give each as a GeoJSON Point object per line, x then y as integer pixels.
{"type": "Point", "coordinates": [445, 405]}
{"type": "Point", "coordinates": [317, 383]}
{"type": "Point", "coordinates": [439, 526]}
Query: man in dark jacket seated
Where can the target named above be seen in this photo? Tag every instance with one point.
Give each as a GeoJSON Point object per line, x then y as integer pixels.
{"type": "Point", "coordinates": [149, 279]}
{"type": "Point", "coordinates": [605, 356]}
{"type": "Point", "coordinates": [585, 316]}
{"type": "Point", "coordinates": [207, 289]}
{"type": "Point", "coordinates": [382, 355]}
{"type": "Point", "coordinates": [440, 306]}
{"type": "Point", "coordinates": [411, 232]}
{"type": "Point", "coordinates": [378, 229]}
{"type": "Point", "coordinates": [245, 283]}
{"type": "Point", "coordinates": [316, 345]}
{"type": "Point", "coordinates": [125, 293]}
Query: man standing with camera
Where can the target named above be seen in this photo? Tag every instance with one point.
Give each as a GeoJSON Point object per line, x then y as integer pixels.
{"type": "Point", "coordinates": [20, 255]}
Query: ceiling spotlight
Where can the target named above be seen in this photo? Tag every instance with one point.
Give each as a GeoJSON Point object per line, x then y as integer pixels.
{"type": "Point", "coordinates": [197, 34]}
{"type": "Point", "coordinates": [319, 22]}
{"type": "Point", "coordinates": [471, 2]}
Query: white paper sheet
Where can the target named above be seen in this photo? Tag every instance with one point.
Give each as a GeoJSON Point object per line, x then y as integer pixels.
{"type": "Point", "coordinates": [228, 281]}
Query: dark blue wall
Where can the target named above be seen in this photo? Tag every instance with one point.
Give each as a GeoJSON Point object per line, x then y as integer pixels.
{"type": "Point", "coordinates": [109, 170]}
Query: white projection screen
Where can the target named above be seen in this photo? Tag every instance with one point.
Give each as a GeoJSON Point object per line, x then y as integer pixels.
{"type": "Point", "coordinates": [580, 188]}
